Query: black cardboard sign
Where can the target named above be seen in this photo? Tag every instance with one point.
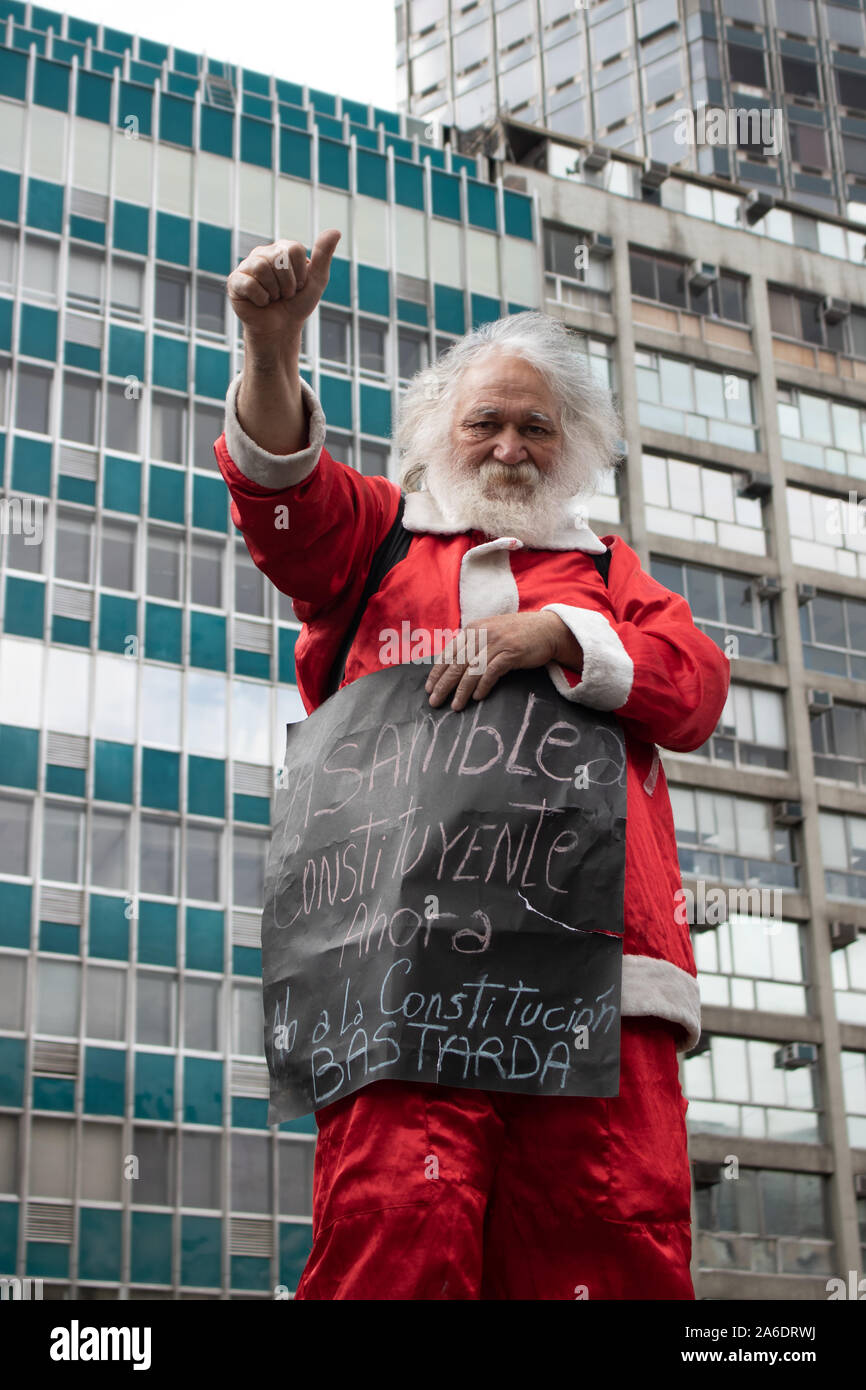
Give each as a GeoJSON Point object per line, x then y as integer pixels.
{"type": "Point", "coordinates": [444, 894]}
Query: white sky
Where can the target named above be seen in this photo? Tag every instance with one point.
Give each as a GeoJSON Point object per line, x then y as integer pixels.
{"type": "Point", "coordinates": [343, 46]}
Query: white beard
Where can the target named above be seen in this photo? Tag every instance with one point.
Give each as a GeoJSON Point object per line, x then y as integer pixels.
{"type": "Point", "coordinates": [474, 496]}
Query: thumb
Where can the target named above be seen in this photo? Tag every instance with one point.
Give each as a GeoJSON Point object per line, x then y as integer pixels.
{"type": "Point", "coordinates": [320, 259]}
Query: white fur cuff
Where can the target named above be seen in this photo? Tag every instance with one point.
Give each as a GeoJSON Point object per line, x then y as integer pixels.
{"type": "Point", "coordinates": [273, 470]}
{"type": "Point", "coordinates": [657, 989]}
{"type": "Point", "coordinates": [608, 670]}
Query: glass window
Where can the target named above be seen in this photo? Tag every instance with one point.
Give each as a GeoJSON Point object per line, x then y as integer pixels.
{"type": "Point", "coordinates": [101, 1162]}
{"type": "Point", "coordinates": [73, 541]}
{"type": "Point", "coordinates": [158, 857]}
{"type": "Point", "coordinates": [206, 574]}
{"type": "Point", "coordinates": [155, 1150]}
{"type": "Point", "coordinates": [412, 352]}
{"type": "Point", "coordinates": [250, 857]}
{"type": "Point", "coordinates": [62, 844]}
{"type": "Point", "coordinates": [168, 428]}
{"type": "Point", "coordinates": [58, 997]}
{"type": "Point", "coordinates": [8, 257]}
{"type": "Point", "coordinates": [118, 556]}
{"type": "Point", "coordinates": [86, 278]}
{"type": "Point", "coordinates": [250, 589]}
{"type": "Point", "coordinates": [127, 287]}
{"type": "Point", "coordinates": [203, 863]}
{"type": "Point", "coordinates": [201, 1015]}
{"type": "Point", "coordinates": [155, 1008]}
{"type": "Point", "coordinates": [109, 850]}
{"type": "Point", "coordinates": [121, 425]}
{"type": "Point", "coordinates": [23, 554]}
{"type": "Point", "coordinates": [333, 337]}
{"type": "Point", "coordinates": [210, 306]}
{"type": "Point", "coordinates": [252, 1187]}
{"type": "Point", "coordinates": [206, 713]}
{"type": "Point", "coordinates": [295, 1176]}
{"type": "Point", "coordinates": [13, 993]}
{"type": "Point", "coordinates": [374, 459]}
{"type": "Point", "coordinates": [208, 422]}
{"type": "Point", "coordinates": [247, 1020]}
{"type": "Point", "coordinates": [371, 346]}
{"type": "Point", "coordinates": [164, 565]}
{"type": "Point", "coordinates": [202, 1167]}
{"type": "Point", "coordinates": [160, 706]}
{"type": "Point", "coordinates": [52, 1158]}
{"type": "Point", "coordinates": [106, 1003]}
{"type": "Point", "coordinates": [39, 269]}
{"type": "Point", "coordinates": [33, 404]}
{"type": "Point", "coordinates": [171, 296]}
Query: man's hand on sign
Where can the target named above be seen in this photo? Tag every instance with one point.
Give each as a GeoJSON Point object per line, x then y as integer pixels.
{"type": "Point", "coordinates": [276, 287]}
{"type": "Point", "coordinates": [471, 665]}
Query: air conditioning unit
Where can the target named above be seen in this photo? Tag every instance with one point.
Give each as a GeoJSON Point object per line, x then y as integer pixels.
{"type": "Point", "coordinates": [834, 310]}
{"type": "Point", "coordinates": [653, 173]}
{"type": "Point", "coordinates": [819, 701]}
{"type": "Point", "coordinates": [860, 1184]}
{"type": "Point", "coordinates": [805, 593]}
{"type": "Point", "coordinates": [702, 274]}
{"type": "Point", "coordinates": [842, 934]}
{"type": "Point", "coordinates": [600, 243]}
{"type": "Point", "coordinates": [756, 205]}
{"type": "Point", "coordinates": [765, 586]}
{"type": "Point", "coordinates": [794, 1055]}
{"type": "Point", "coordinates": [705, 1172]}
{"type": "Point", "coordinates": [788, 813]}
{"type": "Point", "coordinates": [594, 158]}
{"type": "Point", "coordinates": [758, 485]}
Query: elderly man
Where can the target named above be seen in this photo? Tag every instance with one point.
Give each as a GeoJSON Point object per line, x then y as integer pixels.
{"type": "Point", "coordinates": [540, 1197]}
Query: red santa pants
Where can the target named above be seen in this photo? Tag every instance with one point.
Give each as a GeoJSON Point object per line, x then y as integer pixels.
{"type": "Point", "coordinates": [437, 1192]}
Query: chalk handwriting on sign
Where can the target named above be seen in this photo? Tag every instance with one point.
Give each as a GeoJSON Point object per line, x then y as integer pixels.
{"type": "Point", "coordinates": [444, 894]}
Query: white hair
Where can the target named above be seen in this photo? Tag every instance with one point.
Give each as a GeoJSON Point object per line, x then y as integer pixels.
{"type": "Point", "coordinates": [588, 420]}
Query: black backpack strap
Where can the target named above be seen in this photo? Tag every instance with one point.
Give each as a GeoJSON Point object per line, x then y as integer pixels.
{"type": "Point", "coordinates": [602, 564]}
{"type": "Point", "coordinates": [390, 551]}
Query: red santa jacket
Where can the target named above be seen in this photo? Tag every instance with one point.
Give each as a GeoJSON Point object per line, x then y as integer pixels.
{"type": "Point", "coordinates": [313, 524]}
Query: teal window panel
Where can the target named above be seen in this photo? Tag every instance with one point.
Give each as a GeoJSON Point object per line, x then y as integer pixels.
{"type": "Point", "coordinates": [8, 1234]}
{"type": "Point", "coordinates": [135, 108]}
{"type": "Point", "coordinates": [256, 664]}
{"type": "Point", "coordinates": [287, 638]}
{"type": "Point", "coordinates": [481, 204]}
{"type": "Point", "coordinates": [165, 500]}
{"type": "Point", "coordinates": [118, 621]}
{"type": "Point", "coordinates": [334, 163]}
{"type": "Point", "coordinates": [37, 336]}
{"type": "Point", "coordinates": [250, 1272]}
{"type": "Point", "coordinates": [109, 927]}
{"type": "Point", "coordinates": [518, 308]}
{"type": "Point", "coordinates": [408, 184]}
{"type": "Point", "coordinates": [389, 119]}
{"type": "Point", "coordinates": [157, 932]}
{"type": "Point", "coordinates": [410, 312]}
{"type": "Point", "coordinates": [446, 195]}
{"type": "Point", "coordinates": [338, 289]}
{"type": "Point", "coordinates": [182, 86]}
{"type": "Point", "coordinates": [214, 248]}
{"type": "Point", "coordinates": [372, 174]}
{"type": "Point", "coordinates": [45, 205]}
{"type": "Point", "coordinates": [249, 1113]}
{"type": "Point", "coordinates": [170, 362]}
{"type": "Point", "coordinates": [19, 756]}
{"type": "Point", "coordinates": [121, 487]}
{"type": "Point", "coordinates": [204, 938]}
{"type": "Point", "coordinates": [458, 162]}
{"type": "Point", "coordinates": [12, 1071]}
{"type": "Point", "coordinates": [79, 355]}
{"type": "Point", "coordinates": [154, 1086]}
{"type": "Point", "coordinates": [184, 61]}
{"type": "Point", "coordinates": [160, 779]}
{"type": "Point", "coordinates": [256, 809]}
{"type": "Point", "coordinates": [175, 119]}
{"type": "Point", "coordinates": [304, 1124]}
{"type": "Point", "coordinates": [99, 1243]}
{"type": "Point", "coordinates": [212, 371]}
{"type": "Point", "coordinates": [296, 116]}
{"type": "Point", "coordinates": [247, 960]}
{"type": "Point", "coordinates": [259, 107]}
{"type": "Point", "coordinates": [116, 40]}
{"type": "Point", "coordinates": [51, 86]}
{"type": "Point", "coordinates": [93, 97]}
{"type": "Point", "coordinates": [484, 309]}
{"type": "Point", "coordinates": [149, 51]}
{"type": "Point", "coordinates": [105, 62]}
{"type": "Point", "coordinates": [25, 607]}
{"type": "Point", "coordinates": [216, 133]}
{"type": "Point", "coordinates": [60, 937]}
{"type": "Point", "coordinates": [53, 1093]}
{"type": "Point", "coordinates": [200, 1251]}
{"type": "Point", "coordinates": [47, 1259]}
{"type": "Point", "coordinates": [74, 632]}
{"type": "Point", "coordinates": [112, 771]}
{"type": "Point", "coordinates": [210, 503]}
{"type": "Point", "coordinates": [296, 1242]}
{"type": "Point", "coordinates": [449, 309]}
{"type": "Point", "coordinates": [402, 148]}
{"type": "Point", "coordinates": [130, 229]}
{"type": "Point", "coordinates": [66, 781]}
{"type": "Point", "coordinates": [207, 641]}
{"type": "Point", "coordinates": [202, 1091]}
{"type": "Point", "coordinates": [81, 30]}
{"type": "Point", "coordinates": [76, 490]}
{"type": "Point", "coordinates": [206, 786]}
{"type": "Point", "coordinates": [173, 238]}
{"type": "Point", "coordinates": [104, 1080]}
{"type": "Point", "coordinates": [2, 458]}
{"type": "Point", "coordinates": [356, 111]}
{"type": "Point", "coordinates": [257, 141]}
{"type": "Point", "coordinates": [373, 290]}
{"type": "Point", "coordinates": [295, 157]}
{"type": "Point", "coordinates": [125, 352]}
{"type": "Point", "coordinates": [10, 189]}
{"type": "Point", "coordinates": [518, 215]}
{"type": "Point", "coordinates": [13, 74]}
{"type": "Point", "coordinates": [375, 411]}
{"type": "Point", "coordinates": [367, 139]}
{"type": "Point", "coordinates": [151, 1247]}
{"type": "Point", "coordinates": [16, 900]}
{"type": "Point", "coordinates": [6, 324]}
{"type": "Point", "coordinates": [87, 229]}
{"type": "Point", "coordinates": [256, 82]}
{"type": "Point", "coordinates": [289, 91]}
{"type": "Point", "coordinates": [163, 633]}
{"type": "Point", "coordinates": [335, 394]}
{"type": "Point", "coordinates": [31, 465]}
{"type": "Point", "coordinates": [325, 102]}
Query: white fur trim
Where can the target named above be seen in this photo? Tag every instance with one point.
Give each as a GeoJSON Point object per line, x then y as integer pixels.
{"type": "Point", "coordinates": [422, 513]}
{"type": "Point", "coordinates": [273, 470]}
{"type": "Point", "coordinates": [487, 585]}
{"type": "Point", "coordinates": [659, 989]}
{"type": "Point", "coordinates": [608, 670]}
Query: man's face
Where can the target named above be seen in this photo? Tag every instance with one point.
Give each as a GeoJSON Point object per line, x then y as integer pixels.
{"type": "Point", "coordinates": [505, 428]}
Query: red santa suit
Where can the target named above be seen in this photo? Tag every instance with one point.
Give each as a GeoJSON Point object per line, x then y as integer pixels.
{"type": "Point", "coordinates": [440, 1192]}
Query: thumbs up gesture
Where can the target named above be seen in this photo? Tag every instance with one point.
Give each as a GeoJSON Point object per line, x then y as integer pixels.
{"type": "Point", "coordinates": [276, 287]}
